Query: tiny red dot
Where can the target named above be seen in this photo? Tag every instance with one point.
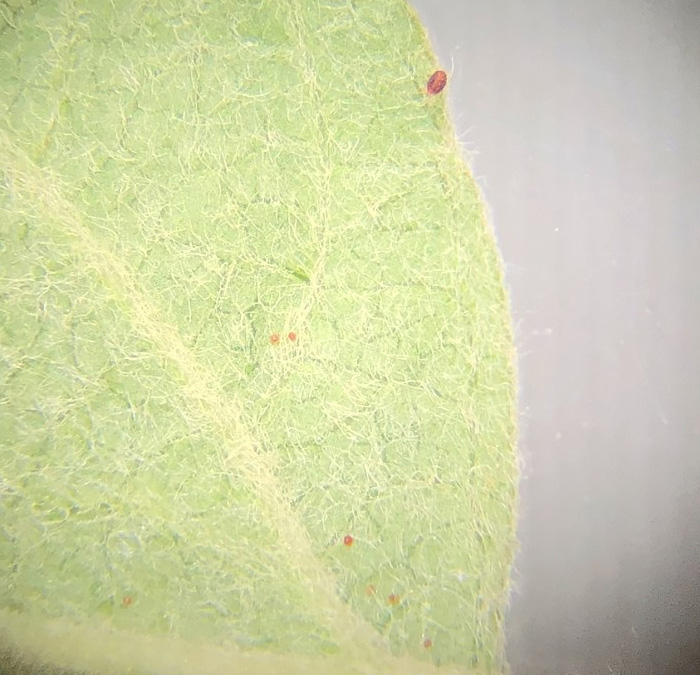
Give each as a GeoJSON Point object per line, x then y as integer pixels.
{"type": "Point", "coordinates": [348, 540]}
{"type": "Point", "coordinates": [427, 643]}
{"type": "Point", "coordinates": [274, 339]}
{"type": "Point", "coordinates": [437, 82]}
{"type": "Point", "coordinates": [126, 600]}
{"type": "Point", "coordinates": [293, 336]}
{"type": "Point", "coordinates": [394, 599]}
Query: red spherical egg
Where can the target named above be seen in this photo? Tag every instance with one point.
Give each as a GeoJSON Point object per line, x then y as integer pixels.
{"type": "Point", "coordinates": [348, 540]}
{"type": "Point", "coordinates": [437, 82]}
{"type": "Point", "coordinates": [274, 339]}
{"type": "Point", "coordinates": [292, 336]}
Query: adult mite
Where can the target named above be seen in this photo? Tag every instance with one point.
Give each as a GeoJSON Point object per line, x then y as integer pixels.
{"type": "Point", "coordinates": [437, 82]}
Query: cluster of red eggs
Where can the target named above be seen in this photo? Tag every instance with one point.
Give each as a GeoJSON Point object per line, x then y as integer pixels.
{"type": "Point", "coordinates": [393, 599]}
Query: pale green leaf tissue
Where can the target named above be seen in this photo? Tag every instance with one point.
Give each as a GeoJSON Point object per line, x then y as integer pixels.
{"type": "Point", "coordinates": [184, 184]}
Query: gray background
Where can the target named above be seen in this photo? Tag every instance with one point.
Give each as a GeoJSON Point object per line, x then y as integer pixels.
{"type": "Point", "coordinates": [581, 122]}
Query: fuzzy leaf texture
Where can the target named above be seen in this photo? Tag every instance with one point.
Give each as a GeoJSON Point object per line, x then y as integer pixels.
{"type": "Point", "coordinates": [180, 182]}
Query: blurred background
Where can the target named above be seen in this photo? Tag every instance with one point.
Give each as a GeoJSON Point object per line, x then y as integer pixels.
{"type": "Point", "coordinates": [581, 122]}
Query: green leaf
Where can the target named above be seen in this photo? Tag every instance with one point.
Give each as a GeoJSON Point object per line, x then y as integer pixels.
{"type": "Point", "coordinates": [249, 305]}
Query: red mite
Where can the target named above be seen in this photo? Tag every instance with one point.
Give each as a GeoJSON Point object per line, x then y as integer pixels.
{"type": "Point", "coordinates": [437, 82]}
{"type": "Point", "coordinates": [348, 540]}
